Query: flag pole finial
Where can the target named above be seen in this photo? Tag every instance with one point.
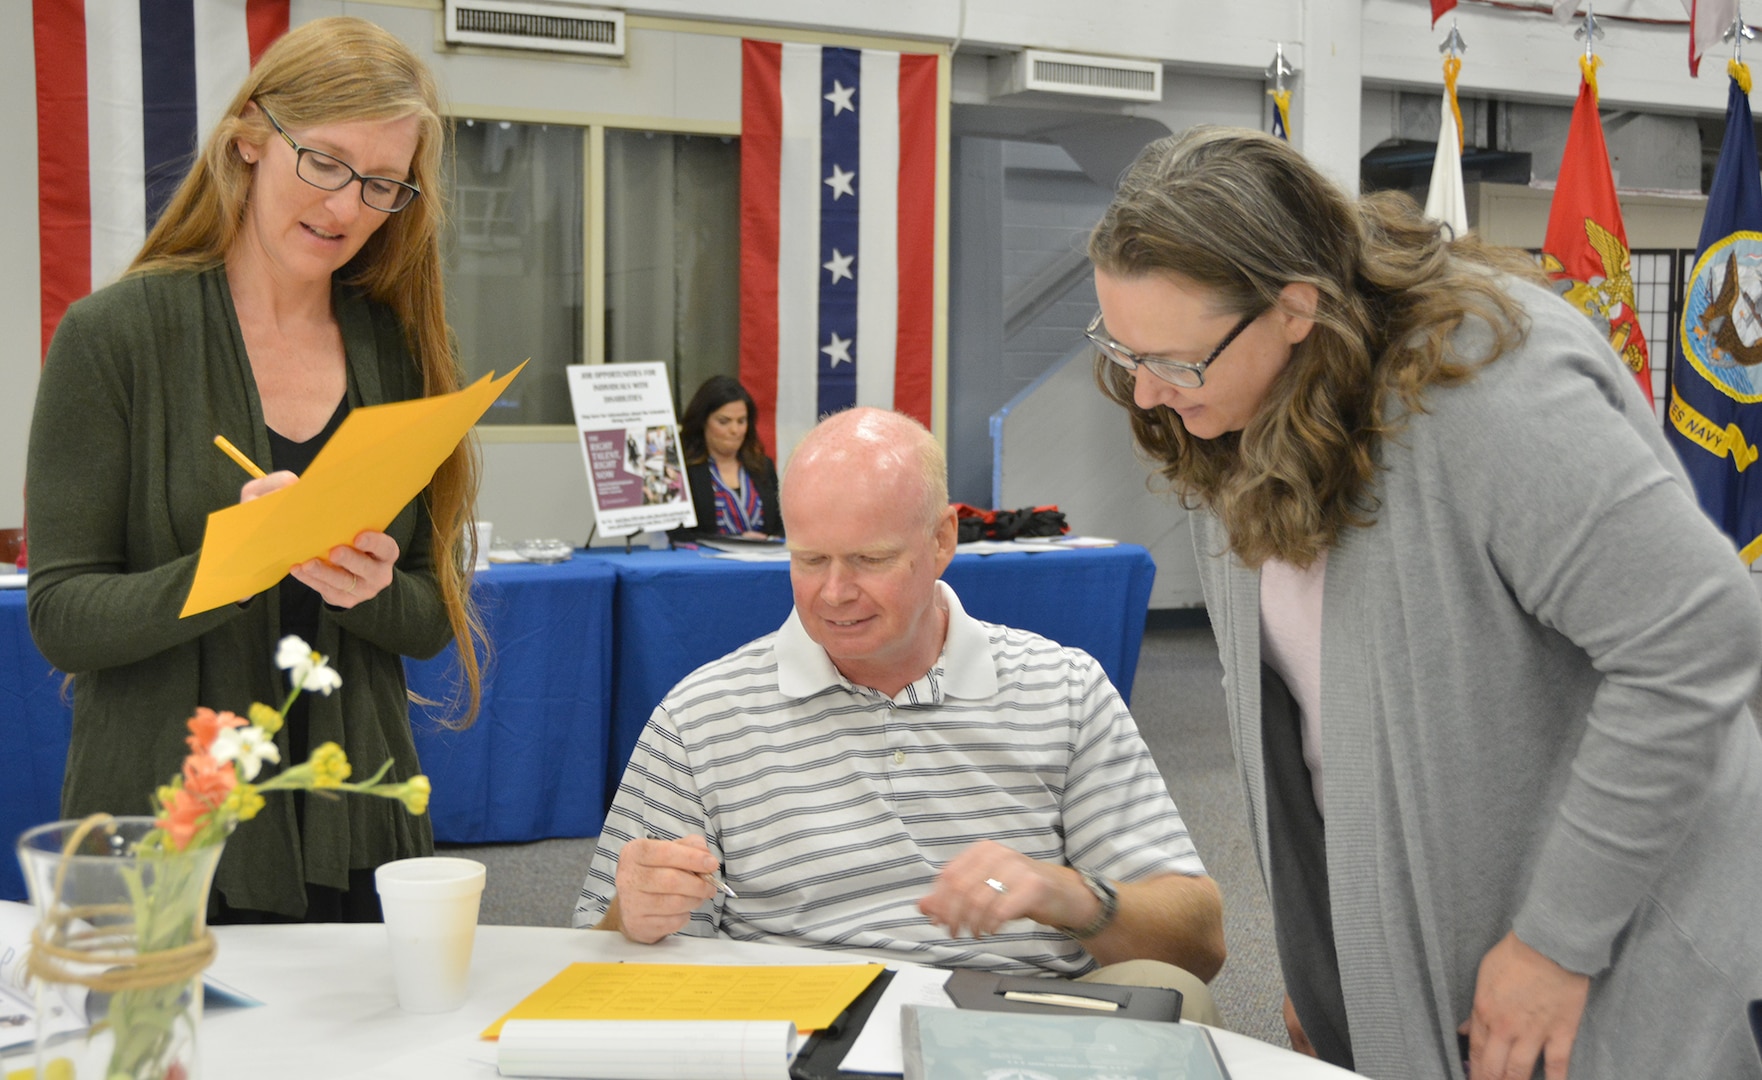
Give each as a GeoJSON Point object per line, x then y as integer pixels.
{"type": "Point", "coordinates": [1737, 33]}
{"type": "Point", "coordinates": [1277, 71]}
{"type": "Point", "coordinates": [1590, 30]}
{"type": "Point", "coordinates": [1453, 44]}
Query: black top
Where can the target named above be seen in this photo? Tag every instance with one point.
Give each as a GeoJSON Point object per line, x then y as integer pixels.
{"type": "Point", "coordinates": [299, 603]}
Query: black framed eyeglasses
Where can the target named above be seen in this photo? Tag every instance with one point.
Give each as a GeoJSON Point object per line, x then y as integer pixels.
{"type": "Point", "coordinates": [1175, 372]}
{"type": "Point", "coordinates": [328, 173]}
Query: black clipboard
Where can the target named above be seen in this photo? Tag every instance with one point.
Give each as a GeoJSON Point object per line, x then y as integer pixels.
{"type": "Point", "coordinates": [820, 1056]}
{"type": "Point", "coordinates": [824, 1051]}
{"type": "Point", "coordinates": [970, 989]}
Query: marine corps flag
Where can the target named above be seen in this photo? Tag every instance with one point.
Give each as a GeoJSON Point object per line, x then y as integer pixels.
{"type": "Point", "coordinates": [1585, 251]}
{"type": "Point", "coordinates": [1715, 418]}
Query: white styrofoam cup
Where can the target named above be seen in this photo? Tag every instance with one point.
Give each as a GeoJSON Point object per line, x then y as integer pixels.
{"type": "Point", "coordinates": [430, 907]}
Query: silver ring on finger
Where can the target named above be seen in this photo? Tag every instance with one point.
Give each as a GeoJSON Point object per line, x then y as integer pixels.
{"type": "Point", "coordinates": [354, 580]}
{"type": "Point", "coordinates": [997, 885]}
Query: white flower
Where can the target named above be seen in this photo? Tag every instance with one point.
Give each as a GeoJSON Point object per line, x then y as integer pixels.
{"type": "Point", "coordinates": [292, 652]}
{"type": "Point", "coordinates": [308, 670]}
{"type": "Point", "coordinates": [323, 678]}
{"type": "Point", "coordinates": [248, 746]}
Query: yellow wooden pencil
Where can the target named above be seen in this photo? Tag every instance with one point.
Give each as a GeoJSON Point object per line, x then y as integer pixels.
{"type": "Point", "coordinates": [232, 451]}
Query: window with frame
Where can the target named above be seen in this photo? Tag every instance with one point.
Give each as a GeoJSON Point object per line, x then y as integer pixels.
{"type": "Point", "coordinates": [513, 260]}
{"type": "Point", "coordinates": [672, 255]}
{"type": "Point", "coordinates": [514, 256]}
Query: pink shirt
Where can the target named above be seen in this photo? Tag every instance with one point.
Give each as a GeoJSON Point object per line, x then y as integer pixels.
{"type": "Point", "coordinates": [1290, 641]}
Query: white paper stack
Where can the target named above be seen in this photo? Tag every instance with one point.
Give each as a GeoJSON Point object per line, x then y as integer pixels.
{"type": "Point", "coordinates": [647, 1049]}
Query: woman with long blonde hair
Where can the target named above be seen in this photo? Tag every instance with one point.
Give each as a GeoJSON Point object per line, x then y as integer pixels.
{"type": "Point", "coordinates": [294, 276]}
{"type": "Point", "coordinates": [1485, 660]}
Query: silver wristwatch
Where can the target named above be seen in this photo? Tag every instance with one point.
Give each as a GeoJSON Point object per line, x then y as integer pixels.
{"type": "Point", "coordinates": [1110, 905]}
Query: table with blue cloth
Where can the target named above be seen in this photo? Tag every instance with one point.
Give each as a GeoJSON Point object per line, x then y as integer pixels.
{"type": "Point", "coordinates": [679, 610]}
{"type": "Point", "coordinates": [532, 766]}
{"type": "Point", "coordinates": [581, 653]}
{"type": "Point", "coordinates": [528, 768]}
{"type": "Point", "coordinates": [34, 722]}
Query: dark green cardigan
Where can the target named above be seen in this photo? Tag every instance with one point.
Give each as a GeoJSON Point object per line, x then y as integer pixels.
{"type": "Point", "coordinates": [122, 475]}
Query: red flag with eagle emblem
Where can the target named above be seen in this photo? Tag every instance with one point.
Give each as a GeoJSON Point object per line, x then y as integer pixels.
{"type": "Point", "coordinates": [1586, 247]}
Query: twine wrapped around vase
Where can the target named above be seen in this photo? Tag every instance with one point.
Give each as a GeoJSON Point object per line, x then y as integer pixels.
{"type": "Point", "coordinates": [61, 954]}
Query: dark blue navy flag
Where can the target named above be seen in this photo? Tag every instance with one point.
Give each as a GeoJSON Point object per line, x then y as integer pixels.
{"type": "Point", "coordinates": [1716, 381]}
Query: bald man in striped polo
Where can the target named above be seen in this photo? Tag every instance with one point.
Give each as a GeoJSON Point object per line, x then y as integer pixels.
{"type": "Point", "coordinates": [887, 773]}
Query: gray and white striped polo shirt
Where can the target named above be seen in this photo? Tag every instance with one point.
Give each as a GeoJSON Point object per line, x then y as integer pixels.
{"type": "Point", "coordinates": [832, 807]}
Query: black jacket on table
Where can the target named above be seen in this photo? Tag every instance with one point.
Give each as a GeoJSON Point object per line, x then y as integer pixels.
{"type": "Point", "coordinates": [703, 500]}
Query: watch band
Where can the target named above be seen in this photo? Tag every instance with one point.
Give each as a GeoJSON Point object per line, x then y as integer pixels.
{"type": "Point", "coordinates": [1110, 904]}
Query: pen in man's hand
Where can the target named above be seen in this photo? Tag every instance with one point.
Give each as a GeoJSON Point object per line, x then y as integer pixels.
{"type": "Point", "coordinates": [712, 877]}
{"type": "Point", "coordinates": [716, 879]}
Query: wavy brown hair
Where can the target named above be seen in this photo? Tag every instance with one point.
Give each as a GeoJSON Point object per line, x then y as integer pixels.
{"type": "Point", "coordinates": [331, 71]}
{"type": "Point", "coordinates": [1242, 215]}
{"type": "Point", "coordinates": [716, 392]}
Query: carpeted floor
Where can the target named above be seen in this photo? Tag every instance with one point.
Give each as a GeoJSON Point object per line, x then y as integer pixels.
{"type": "Point", "coordinates": [1179, 704]}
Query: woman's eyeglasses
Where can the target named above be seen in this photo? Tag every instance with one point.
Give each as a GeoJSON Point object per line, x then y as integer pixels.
{"type": "Point", "coordinates": [1174, 372]}
{"type": "Point", "coordinates": [327, 173]}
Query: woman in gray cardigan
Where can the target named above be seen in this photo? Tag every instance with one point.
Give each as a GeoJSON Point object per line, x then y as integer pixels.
{"type": "Point", "coordinates": [1486, 660]}
{"type": "Point", "coordinates": [295, 275]}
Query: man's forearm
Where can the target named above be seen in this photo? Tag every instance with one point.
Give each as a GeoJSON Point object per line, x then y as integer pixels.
{"type": "Point", "coordinates": [1174, 918]}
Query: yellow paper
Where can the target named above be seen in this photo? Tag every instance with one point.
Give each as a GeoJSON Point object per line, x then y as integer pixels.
{"type": "Point", "coordinates": [811, 996]}
{"type": "Point", "coordinates": [379, 459]}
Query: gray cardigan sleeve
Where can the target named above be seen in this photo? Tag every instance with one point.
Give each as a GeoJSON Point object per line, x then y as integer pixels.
{"type": "Point", "coordinates": [1594, 531]}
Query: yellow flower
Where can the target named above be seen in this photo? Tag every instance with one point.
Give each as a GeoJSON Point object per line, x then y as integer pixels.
{"type": "Point", "coordinates": [265, 717]}
{"type": "Point", "coordinates": [244, 801]}
{"type": "Point", "coordinates": [415, 794]}
{"type": "Point", "coordinates": [330, 766]}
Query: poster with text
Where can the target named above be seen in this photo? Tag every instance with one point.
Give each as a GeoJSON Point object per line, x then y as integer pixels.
{"type": "Point", "coordinates": [630, 441]}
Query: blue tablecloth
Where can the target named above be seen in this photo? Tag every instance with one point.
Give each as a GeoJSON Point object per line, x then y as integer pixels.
{"type": "Point", "coordinates": [532, 766]}
{"type": "Point", "coordinates": [34, 724]}
{"type": "Point", "coordinates": [677, 610]}
{"type": "Point", "coordinates": [582, 653]}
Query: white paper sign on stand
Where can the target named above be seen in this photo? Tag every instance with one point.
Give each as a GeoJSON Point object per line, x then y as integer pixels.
{"type": "Point", "coordinates": [630, 442]}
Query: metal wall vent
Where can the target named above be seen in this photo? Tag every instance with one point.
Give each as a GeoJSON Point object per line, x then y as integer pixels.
{"type": "Point", "coordinates": [1086, 76]}
{"type": "Point", "coordinates": [520, 24]}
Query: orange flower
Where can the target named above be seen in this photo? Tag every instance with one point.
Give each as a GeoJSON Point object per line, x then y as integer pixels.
{"type": "Point", "coordinates": [208, 779]}
{"type": "Point", "coordinates": [207, 724]}
{"type": "Point", "coordinates": [182, 819]}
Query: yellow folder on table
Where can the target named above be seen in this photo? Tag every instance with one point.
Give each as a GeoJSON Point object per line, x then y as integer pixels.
{"type": "Point", "coordinates": [378, 460]}
{"type": "Point", "coordinates": [811, 995]}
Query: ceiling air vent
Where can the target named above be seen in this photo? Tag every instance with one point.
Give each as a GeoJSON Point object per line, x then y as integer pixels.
{"type": "Point", "coordinates": [520, 24]}
{"type": "Point", "coordinates": [1086, 76]}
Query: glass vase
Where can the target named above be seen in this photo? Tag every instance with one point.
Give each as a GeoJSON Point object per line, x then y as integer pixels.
{"type": "Point", "coordinates": [119, 947]}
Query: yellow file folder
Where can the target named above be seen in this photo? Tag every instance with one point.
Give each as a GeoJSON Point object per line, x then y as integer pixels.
{"type": "Point", "coordinates": [810, 995]}
{"type": "Point", "coordinates": [378, 460]}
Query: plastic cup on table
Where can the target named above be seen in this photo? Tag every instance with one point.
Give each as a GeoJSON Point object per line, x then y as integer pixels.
{"type": "Point", "coordinates": [430, 907]}
{"type": "Point", "coordinates": [485, 535]}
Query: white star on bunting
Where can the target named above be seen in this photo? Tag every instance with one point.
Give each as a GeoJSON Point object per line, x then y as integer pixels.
{"type": "Point", "coordinates": [840, 267]}
{"type": "Point", "coordinates": [839, 350]}
{"type": "Point", "coordinates": [839, 182]}
{"type": "Point", "coordinates": [840, 98]}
